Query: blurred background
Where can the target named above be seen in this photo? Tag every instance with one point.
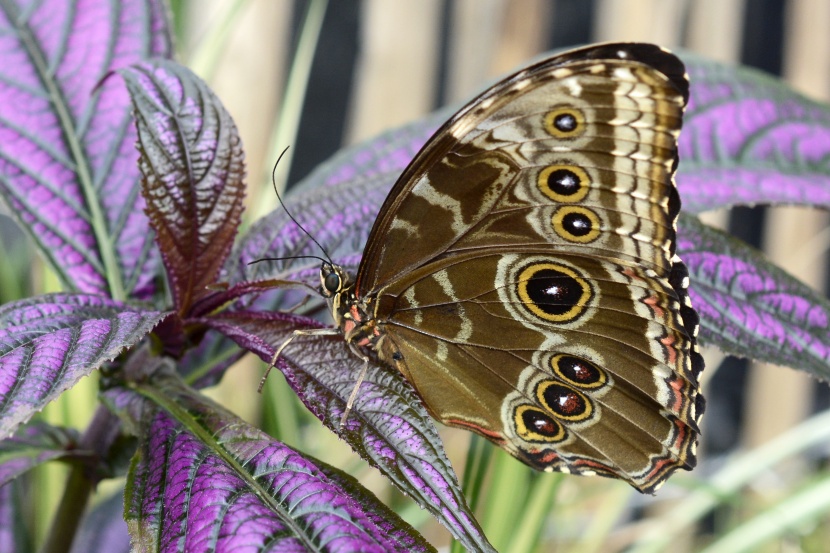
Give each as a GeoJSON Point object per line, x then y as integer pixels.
{"type": "Point", "coordinates": [319, 76]}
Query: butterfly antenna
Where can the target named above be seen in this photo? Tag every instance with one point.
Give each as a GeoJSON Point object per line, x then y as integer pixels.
{"type": "Point", "coordinates": [277, 192]}
{"type": "Point", "coordinates": [261, 259]}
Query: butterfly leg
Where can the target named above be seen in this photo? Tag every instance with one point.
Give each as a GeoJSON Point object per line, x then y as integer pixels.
{"type": "Point", "coordinates": [301, 303]}
{"type": "Point", "coordinates": [360, 378]}
{"type": "Point", "coordinates": [308, 332]}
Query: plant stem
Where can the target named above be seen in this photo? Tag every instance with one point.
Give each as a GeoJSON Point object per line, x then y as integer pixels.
{"type": "Point", "coordinates": [98, 437]}
{"type": "Point", "coordinates": [70, 511]}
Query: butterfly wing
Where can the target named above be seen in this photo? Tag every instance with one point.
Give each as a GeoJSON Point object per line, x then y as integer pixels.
{"type": "Point", "coordinates": [523, 269]}
{"type": "Point", "coordinates": [504, 120]}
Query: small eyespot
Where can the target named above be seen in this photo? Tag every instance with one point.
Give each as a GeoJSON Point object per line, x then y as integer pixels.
{"type": "Point", "coordinates": [576, 224]}
{"type": "Point", "coordinates": [565, 122]}
{"type": "Point", "coordinates": [564, 402]}
{"type": "Point", "coordinates": [564, 183]}
{"type": "Point", "coordinates": [534, 425]}
{"type": "Point", "coordinates": [578, 372]}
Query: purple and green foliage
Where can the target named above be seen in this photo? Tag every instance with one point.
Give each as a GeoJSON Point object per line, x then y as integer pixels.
{"type": "Point", "coordinates": [68, 165]}
{"type": "Point", "coordinates": [749, 140]}
{"type": "Point", "coordinates": [203, 480]}
{"type": "Point", "coordinates": [83, 84]}
{"type": "Point", "coordinates": [34, 444]}
{"type": "Point", "coordinates": [104, 216]}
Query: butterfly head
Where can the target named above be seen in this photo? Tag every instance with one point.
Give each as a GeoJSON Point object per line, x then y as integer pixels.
{"type": "Point", "coordinates": [333, 280]}
{"type": "Point", "coordinates": [351, 315]}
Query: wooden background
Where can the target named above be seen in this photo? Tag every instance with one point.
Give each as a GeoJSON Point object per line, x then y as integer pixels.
{"type": "Point", "coordinates": [381, 63]}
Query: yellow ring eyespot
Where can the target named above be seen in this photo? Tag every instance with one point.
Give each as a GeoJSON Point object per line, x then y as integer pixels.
{"type": "Point", "coordinates": [565, 122]}
{"type": "Point", "coordinates": [576, 224]}
{"type": "Point", "coordinates": [578, 372]}
{"type": "Point", "coordinates": [534, 425]}
{"type": "Point", "coordinates": [564, 183]}
{"type": "Point", "coordinates": [553, 292]}
{"type": "Point", "coordinates": [564, 402]}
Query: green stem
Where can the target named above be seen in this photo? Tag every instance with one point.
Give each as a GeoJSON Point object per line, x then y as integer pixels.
{"type": "Point", "coordinates": [535, 510]}
{"type": "Point", "coordinates": [475, 469]}
{"type": "Point", "coordinates": [98, 437]}
{"type": "Point", "coordinates": [70, 512]}
{"type": "Point", "coordinates": [508, 491]}
{"type": "Point", "coordinates": [279, 409]}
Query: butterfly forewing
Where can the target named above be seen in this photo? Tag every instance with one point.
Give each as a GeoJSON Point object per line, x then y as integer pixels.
{"type": "Point", "coordinates": [522, 270]}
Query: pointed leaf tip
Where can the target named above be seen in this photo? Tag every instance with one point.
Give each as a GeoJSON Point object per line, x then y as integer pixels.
{"type": "Point", "coordinates": [193, 165]}
{"type": "Point", "coordinates": [48, 343]}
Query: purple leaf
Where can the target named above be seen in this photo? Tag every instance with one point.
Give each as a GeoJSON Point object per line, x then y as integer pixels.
{"type": "Point", "coordinates": [36, 444]}
{"type": "Point", "coordinates": [67, 159]}
{"type": "Point", "coordinates": [388, 425]}
{"type": "Point", "coordinates": [203, 480]}
{"type": "Point", "coordinates": [103, 529]}
{"type": "Point", "coordinates": [48, 343]}
{"type": "Point", "coordinates": [205, 364]}
{"type": "Point", "coordinates": [194, 171]}
{"type": "Point", "coordinates": [12, 529]}
{"type": "Point", "coordinates": [747, 139]}
{"type": "Point", "coordinates": [751, 308]}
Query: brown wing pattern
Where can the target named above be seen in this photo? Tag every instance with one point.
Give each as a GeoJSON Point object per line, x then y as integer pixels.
{"type": "Point", "coordinates": [478, 355]}
{"type": "Point", "coordinates": [523, 269]}
{"type": "Point", "coordinates": [634, 114]}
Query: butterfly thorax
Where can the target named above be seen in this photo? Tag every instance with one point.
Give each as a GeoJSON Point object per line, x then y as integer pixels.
{"type": "Point", "coordinates": [353, 316]}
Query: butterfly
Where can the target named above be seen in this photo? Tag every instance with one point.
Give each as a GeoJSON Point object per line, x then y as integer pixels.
{"type": "Point", "coordinates": [522, 275]}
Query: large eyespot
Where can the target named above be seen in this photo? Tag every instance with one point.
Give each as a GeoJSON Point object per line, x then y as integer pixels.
{"type": "Point", "coordinates": [576, 224]}
{"type": "Point", "coordinates": [577, 371]}
{"type": "Point", "coordinates": [565, 122]}
{"type": "Point", "coordinates": [553, 292]}
{"type": "Point", "coordinates": [564, 401]}
{"type": "Point", "coordinates": [563, 183]}
{"type": "Point", "coordinates": [534, 425]}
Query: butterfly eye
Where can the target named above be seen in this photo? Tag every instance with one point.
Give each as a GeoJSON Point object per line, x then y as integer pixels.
{"type": "Point", "coordinates": [332, 283]}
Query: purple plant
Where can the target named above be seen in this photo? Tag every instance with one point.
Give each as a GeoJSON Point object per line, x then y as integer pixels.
{"type": "Point", "coordinates": [115, 223]}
